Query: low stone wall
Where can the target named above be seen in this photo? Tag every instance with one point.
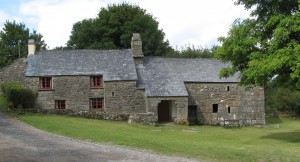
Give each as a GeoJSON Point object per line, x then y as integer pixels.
{"type": "Point", "coordinates": [143, 118]}
{"type": "Point", "coordinates": [139, 118]}
{"type": "Point", "coordinates": [101, 115]}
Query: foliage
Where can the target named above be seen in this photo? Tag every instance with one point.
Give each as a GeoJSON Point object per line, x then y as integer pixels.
{"type": "Point", "coordinates": [18, 95]}
{"type": "Point", "coordinates": [113, 29]}
{"type": "Point", "coordinates": [278, 142]}
{"type": "Point", "coordinates": [282, 97]}
{"type": "Point", "coordinates": [13, 36]}
{"type": "Point", "coordinates": [3, 103]}
{"type": "Point", "coordinates": [192, 52]}
{"type": "Point", "coordinates": [265, 45]}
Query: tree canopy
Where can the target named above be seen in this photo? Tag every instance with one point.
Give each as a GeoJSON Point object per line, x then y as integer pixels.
{"type": "Point", "coordinates": [265, 46]}
{"type": "Point", "coordinates": [14, 37]}
{"type": "Point", "coordinates": [113, 28]}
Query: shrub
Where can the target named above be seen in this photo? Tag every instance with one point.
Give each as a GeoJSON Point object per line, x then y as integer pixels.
{"type": "Point", "coordinates": [284, 100]}
{"type": "Point", "coordinates": [19, 96]}
{"type": "Point", "coordinates": [6, 87]}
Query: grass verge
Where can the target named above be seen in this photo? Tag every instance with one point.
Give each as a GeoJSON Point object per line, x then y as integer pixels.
{"type": "Point", "coordinates": [279, 142]}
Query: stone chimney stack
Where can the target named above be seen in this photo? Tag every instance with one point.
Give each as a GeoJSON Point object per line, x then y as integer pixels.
{"type": "Point", "coordinates": [31, 47]}
{"type": "Point", "coordinates": [136, 47]}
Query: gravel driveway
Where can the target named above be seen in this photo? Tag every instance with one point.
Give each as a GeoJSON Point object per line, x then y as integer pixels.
{"type": "Point", "coordinates": [22, 142]}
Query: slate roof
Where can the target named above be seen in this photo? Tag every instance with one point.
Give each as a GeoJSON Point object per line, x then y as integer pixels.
{"type": "Point", "coordinates": [112, 64]}
{"type": "Point", "coordinates": [166, 76]}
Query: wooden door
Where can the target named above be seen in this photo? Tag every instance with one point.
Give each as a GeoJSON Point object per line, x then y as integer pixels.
{"type": "Point", "coordinates": [163, 111]}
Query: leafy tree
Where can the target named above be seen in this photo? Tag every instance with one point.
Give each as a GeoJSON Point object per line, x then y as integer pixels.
{"type": "Point", "coordinates": [113, 29]}
{"type": "Point", "coordinates": [15, 36]}
{"type": "Point", "coordinates": [193, 52]}
{"type": "Point", "coordinates": [266, 45]}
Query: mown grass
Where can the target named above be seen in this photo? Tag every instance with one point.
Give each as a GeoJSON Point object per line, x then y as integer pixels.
{"type": "Point", "coordinates": [280, 141]}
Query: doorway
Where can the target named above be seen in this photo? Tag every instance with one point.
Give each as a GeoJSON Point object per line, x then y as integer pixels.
{"type": "Point", "coordinates": [163, 111]}
{"type": "Point", "coordinates": [192, 114]}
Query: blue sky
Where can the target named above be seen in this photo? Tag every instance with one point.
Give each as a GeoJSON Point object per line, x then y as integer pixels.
{"type": "Point", "coordinates": [185, 22]}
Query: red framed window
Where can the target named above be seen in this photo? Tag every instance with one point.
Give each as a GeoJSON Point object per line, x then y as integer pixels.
{"type": "Point", "coordinates": [60, 104]}
{"type": "Point", "coordinates": [45, 83]}
{"type": "Point", "coordinates": [97, 81]}
{"type": "Point", "coordinates": [96, 103]}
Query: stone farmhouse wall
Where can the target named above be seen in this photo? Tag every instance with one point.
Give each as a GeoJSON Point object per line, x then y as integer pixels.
{"type": "Point", "coordinates": [14, 72]}
{"type": "Point", "coordinates": [236, 106]}
{"type": "Point", "coordinates": [119, 96]}
{"type": "Point", "coordinates": [74, 89]}
{"type": "Point", "coordinates": [123, 96]}
{"type": "Point", "coordinates": [178, 106]}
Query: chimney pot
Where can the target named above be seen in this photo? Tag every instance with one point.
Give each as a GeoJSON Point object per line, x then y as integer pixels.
{"type": "Point", "coordinates": [31, 47]}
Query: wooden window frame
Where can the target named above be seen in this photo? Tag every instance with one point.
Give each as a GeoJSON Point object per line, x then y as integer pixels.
{"type": "Point", "coordinates": [45, 83]}
{"type": "Point", "coordinates": [60, 104]}
{"type": "Point", "coordinates": [96, 81]}
{"type": "Point", "coordinates": [96, 103]}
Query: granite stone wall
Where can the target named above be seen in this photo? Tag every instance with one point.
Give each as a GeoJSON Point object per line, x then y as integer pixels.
{"type": "Point", "coordinates": [119, 96]}
{"type": "Point", "coordinates": [235, 105]}
{"type": "Point", "coordinates": [15, 72]}
{"type": "Point", "coordinates": [178, 105]}
{"type": "Point", "coordinates": [123, 96]}
{"type": "Point", "coordinates": [75, 90]}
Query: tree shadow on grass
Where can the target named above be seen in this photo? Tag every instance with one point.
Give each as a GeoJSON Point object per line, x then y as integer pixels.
{"type": "Point", "coordinates": [273, 120]}
{"type": "Point", "coordinates": [293, 137]}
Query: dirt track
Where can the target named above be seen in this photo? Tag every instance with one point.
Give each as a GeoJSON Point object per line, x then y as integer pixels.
{"type": "Point", "coordinates": [21, 142]}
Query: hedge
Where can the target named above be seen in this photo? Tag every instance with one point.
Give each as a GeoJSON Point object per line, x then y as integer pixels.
{"type": "Point", "coordinates": [19, 96]}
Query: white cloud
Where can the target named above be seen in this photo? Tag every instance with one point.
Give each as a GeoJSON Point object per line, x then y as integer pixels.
{"type": "Point", "coordinates": [198, 22]}
{"type": "Point", "coordinates": [55, 19]}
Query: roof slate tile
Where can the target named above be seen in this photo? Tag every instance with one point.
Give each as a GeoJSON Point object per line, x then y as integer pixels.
{"type": "Point", "coordinates": [112, 64]}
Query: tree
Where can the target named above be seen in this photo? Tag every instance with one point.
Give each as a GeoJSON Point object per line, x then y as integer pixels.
{"type": "Point", "coordinates": [113, 29]}
{"type": "Point", "coordinates": [14, 38]}
{"type": "Point", "coordinates": [265, 46]}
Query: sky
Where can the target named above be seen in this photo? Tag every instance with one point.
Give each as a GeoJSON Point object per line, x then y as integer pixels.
{"type": "Point", "coordinates": [184, 22]}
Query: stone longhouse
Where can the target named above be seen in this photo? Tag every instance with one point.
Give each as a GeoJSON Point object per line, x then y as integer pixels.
{"type": "Point", "coordinates": [124, 81]}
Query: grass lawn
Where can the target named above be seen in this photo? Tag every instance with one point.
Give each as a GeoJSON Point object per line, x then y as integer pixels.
{"type": "Point", "coordinates": [279, 142]}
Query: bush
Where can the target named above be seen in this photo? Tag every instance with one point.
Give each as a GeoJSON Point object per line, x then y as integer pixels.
{"type": "Point", "coordinates": [19, 96]}
{"type": "Point", "coordinates": [283, 99]}
{"type": "Point", "coordinates": [6, 87]}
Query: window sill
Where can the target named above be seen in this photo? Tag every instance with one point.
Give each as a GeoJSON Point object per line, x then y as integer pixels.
{"type": "Point", "coordinates": [46, 89]}
{"type": "Point", "coordinates": [97, 87]}
{"type": "Point", "coordinates": [96, 109]}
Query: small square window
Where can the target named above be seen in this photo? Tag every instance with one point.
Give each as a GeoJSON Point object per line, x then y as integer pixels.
{"type": "Point", "coordinates": [228, 88]}
{"type": "Point", "coordinates": [45, 83]}
{"type": "Point", "coordinates": [97, 81]}
{"type": "Point", "coordinates": [60, 104]}
{"type": "Point", "coordinates": [96, 103]}
{"type": "Point", "coordinates": [215, 108]}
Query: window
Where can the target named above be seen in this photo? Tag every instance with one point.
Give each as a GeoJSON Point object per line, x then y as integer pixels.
{"type": "Point", "coordinates": [228, 109]}
{"type": "Point", "coordinates": [60, 104]}
{"type": "Point", "coordinates": [228, 88]}
{"type": "Point", "coordinates": [215, 108]}
{"type": "Point", "coordinates": [45, 83]}
{"type": "Point", "coordinates": [96, 103]}
{"type": "Point", "coordinates": [97, 81]}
